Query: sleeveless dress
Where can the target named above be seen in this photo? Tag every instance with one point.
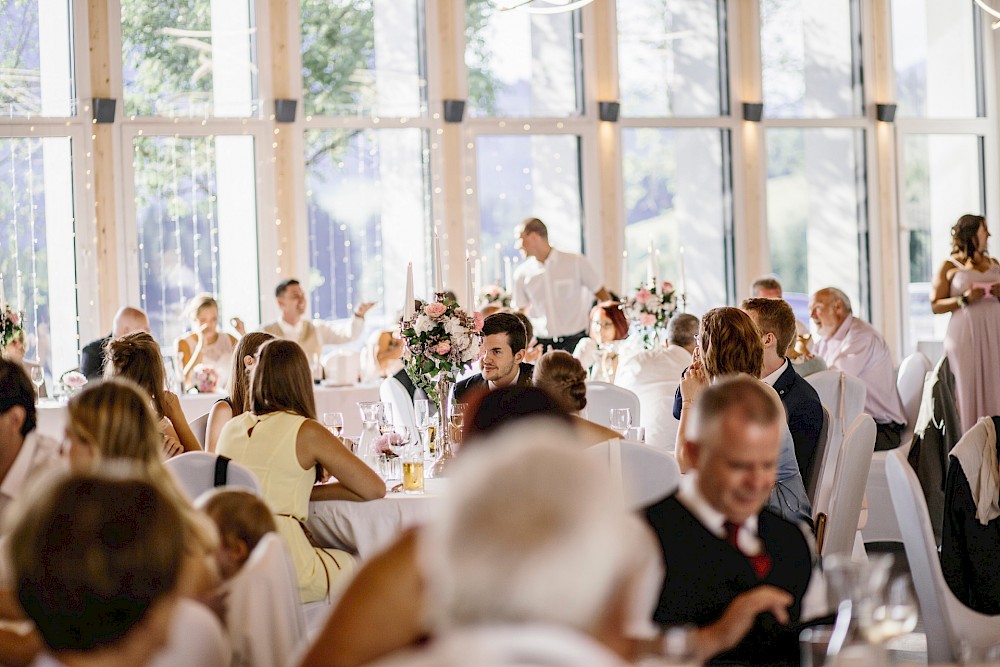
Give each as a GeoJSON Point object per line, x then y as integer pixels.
{"type": "Point", "coordinates": [266, 445]}
{"type": "Point", "coordinates": [219, 355]}
{"type": "Point", "coordinates": [972, 345]}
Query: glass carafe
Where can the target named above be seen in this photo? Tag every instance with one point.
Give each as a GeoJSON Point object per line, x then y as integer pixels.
{"type": "Point", "coordinates": [371, 415]}
{"type": "Point", "coordinates": [857, 589]}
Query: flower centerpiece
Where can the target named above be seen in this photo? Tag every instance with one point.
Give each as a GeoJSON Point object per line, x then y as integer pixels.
{"type": "Point", "coordinates": [204, 378]}
{"type": "Point", "coordinates": [493, 296]}
{"type": "Point", "coordinates": [11, 325]}
{"type": "Point", "coordinates": [650, 309]}
{"type": "Point", "coordinates": [72, 382]}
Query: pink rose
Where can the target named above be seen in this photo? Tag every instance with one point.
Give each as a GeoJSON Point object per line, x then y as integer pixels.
{"type": "Point", "coordinates": [642, 296]}
{"type": "Point", "coordinates": [667, 287]}
{"type": "Point", "coordinates": [478, 321]}
{"type": "Point", "coordinates": [647, 319]}
{"type": "Point", "coordinates": [435, 309]}
{"type": "Point", "coordinates": [74, 379]}
{"type": "Point", "coordinates": [443, 348]}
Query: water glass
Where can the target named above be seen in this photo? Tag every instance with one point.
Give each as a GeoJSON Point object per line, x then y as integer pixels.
{"type": "Point", "coordinates": [334, 422]}
{"type": "Point", "coordinates": [422, 410]}
{"type": "Point", "coordinates": [385, 419]}
{"type": "Point", "coordinates": [621, 420]}
{"type": "Point", "coordinates": [37, 378]}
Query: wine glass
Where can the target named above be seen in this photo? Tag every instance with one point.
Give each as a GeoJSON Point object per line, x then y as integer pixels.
{"type": "Point", "coordinates": [621, 420]}
{"type": "Point", "coordinates": [422, 410]}
{"type": "Point", "coordinates": [385, 419]}
{"type": "Point", "coordinates": [334, 422]}
{"type": "Point", "coordinates": [38, 378]}
{"type": "Point", "coordinates": [893, 616]}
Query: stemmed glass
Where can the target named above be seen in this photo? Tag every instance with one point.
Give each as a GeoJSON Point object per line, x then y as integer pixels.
{"type": "Point", "coordinates": [621, 420]}
{"type": "Point", "coordinates": [895, 614]}
{"type": "Point", "coordinates": [385, 419]}
{"type": "Point", "coordinates": [334, 422]}
{"type": "Point", "coordinates": [38, 378]}
{"type": "Point", "coordinates": [422, 410]}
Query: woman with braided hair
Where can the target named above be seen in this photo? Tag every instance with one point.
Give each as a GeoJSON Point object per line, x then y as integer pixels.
{"type": "Point", "coordinates": [562, 377]}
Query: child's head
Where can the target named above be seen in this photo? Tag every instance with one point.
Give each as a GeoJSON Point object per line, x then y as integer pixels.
{"type": "Point", "coordinates": [242, 518]}
{"type": "Point", "coordinates": [96, 563]}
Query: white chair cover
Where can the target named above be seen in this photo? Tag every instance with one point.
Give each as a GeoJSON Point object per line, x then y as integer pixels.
{"type": "Point", "coordinates": [264, 618]}
{"type": "Point", "coordinates": [392, 392]}
{"type": "Point", "coordinates": [850, 474]}
{"type": "Point", "coordinates": [200, 427]}
{"type": "Point", "coordinates": [342, 367]}
{"type": "Point", "coordinates": [602, 396]}
{"type": "Point", "coordinates": [947, 622]}
{"type": "Point", "coordinates": [196, 639]}
{"type": "Point", "coordinates": [644, 474]}
{"type": "Point", "coordinates": [195, 472]}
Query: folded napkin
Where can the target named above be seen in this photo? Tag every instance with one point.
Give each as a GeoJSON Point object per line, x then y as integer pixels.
{"type": "Point", "coordinates": [977, 454]}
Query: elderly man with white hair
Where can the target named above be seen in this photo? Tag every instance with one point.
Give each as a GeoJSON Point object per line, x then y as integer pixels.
{"type": "Point", "coordinates": [856, 348]}
{"type": "Point", "coordinates": [532, 561]}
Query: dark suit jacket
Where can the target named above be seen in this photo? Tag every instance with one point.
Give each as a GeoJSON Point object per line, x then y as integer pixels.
{"type": "Point", "coordinates": [413, 390]}
{"type": "Point", "coordinates": [805, 416]}
{"type": "Point", "coordinates": [464, 388]}
{"type": "Point", "coordinates": [92, 358]}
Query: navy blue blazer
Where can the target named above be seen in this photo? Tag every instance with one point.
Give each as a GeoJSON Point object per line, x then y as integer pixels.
{"type": "Point", "coordinates": [463, 388]}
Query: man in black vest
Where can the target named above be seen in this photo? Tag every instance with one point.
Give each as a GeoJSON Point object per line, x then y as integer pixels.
{"type": "Point", "coordinates": [733, 568]}
{"type": "Point", "coordinates": [776, 321]}
{"type": "Point", "coordinates": [502, 363]}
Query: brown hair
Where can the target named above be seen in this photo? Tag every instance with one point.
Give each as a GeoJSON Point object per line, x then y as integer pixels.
{"type": "Point", "coordinates": [136, 357]}
{"type": "Point", "coordinates": [281, 380]}
{"type": "Point", "coordinates": [613, 309]}
{"type": "Point", "coordinates": [509, 324]}
{"type": "Point", "coordinates": [730, 343]}
{"type": "Point", "coordinates": [563, 377]}
{"type": "Point", "coordinates": [536, 226]}
{"type": "Point", "coordinates": [765, 283]}
{"type": "Point", "coordinates": [239, 378]}
{"type": "Point", "coordinates": [238, 514]}
{"type": "Point", "coordinates": [92, 555]}
{"type": "Point", "coordinates": [963, 235]}
{"type": "Point", "coordinates": [529, 329]}
{"type": "Point", "coordinates": [16, 389]}
{"type": "Point", "coordinates": [774, 316]}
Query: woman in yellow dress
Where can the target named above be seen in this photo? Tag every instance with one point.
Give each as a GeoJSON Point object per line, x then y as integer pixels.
{"type": "Point", "coordinates": [282, 443]}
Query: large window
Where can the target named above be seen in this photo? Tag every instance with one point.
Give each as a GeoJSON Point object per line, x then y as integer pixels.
{"type": "Point", "coordinates": [36, 58]}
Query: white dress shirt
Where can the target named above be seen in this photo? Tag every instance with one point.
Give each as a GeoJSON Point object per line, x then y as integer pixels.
{"type": "Point", "coordinates": [556, 294]}
{"type": "Point", "coordinates": [38, 456]}
{"type": "Point", "coordinates": [773, 377]}
{"type": "Point", "coordinates": [653, 375]}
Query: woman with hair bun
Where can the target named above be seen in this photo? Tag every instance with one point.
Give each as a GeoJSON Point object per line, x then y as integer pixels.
{"type": "Point", "coordinates": [561, 375]}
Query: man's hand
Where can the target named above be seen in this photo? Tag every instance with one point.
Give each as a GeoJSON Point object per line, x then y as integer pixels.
{"type": "Point", "coordinates": [237, 324]}
{"type": "Point", "coordinates": [740, 616]}
{"type": "Point", "coordinates": [363, 309]}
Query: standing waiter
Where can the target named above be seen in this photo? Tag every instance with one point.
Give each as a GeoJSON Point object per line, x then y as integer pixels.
{"type": "Point", "coordinates": [555, 289]}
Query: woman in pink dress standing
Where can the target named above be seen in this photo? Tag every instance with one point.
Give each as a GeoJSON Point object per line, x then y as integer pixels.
{"type": "Point", "coordinates": [968, 287]}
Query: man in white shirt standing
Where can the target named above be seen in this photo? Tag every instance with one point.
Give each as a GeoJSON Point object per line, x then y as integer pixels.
{"type": "Point", "coordinates": [555, 289]}
{"type": "Point", "coordinates": [311, 335]}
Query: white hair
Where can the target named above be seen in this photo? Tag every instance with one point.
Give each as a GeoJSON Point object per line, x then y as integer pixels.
{"type": "Point", "coordinates": [530, 532]}
{"type": "Point", "coordinates": [839, 295]}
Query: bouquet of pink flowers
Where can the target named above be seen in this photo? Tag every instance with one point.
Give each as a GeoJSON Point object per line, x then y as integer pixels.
{"type": "Point", "coordinates": [650, 309]}
{"type": "Point", "coordinates": [493, 295]}
{"type": "Point", "coordinates": [204, 378]}
{"type": "Point", "coordinates": [11, 324]}
{"type": "Point", "coordinates": [72, 382]}
{"type": "Point", "coordinates": [441, 339]}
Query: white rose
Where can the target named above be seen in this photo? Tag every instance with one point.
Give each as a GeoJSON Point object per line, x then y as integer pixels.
{"type": "Point", "coordinates": [423, 324]}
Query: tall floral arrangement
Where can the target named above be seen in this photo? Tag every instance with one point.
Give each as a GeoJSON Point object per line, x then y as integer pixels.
{"type": "Point", "coordinates": [650, 309]}
{"type": "Point", "coordinates": [493, 295]}
{"type": "Point", "coordinates": [11, 325]}
{"type": "Point", "coordinates": [441, 339]}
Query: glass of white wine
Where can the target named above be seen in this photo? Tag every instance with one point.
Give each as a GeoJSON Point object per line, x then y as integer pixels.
{"type": "Point", "coordinates": [334, 422]}
{"type": "Point", "coordinates": [38, 378]}
{"type": "Point", "coordinates": [621, 420]}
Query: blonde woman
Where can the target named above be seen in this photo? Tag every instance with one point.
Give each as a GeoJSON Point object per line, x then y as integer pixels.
{"type": "Point", "coordinates": [238, 400]}
{"type": "Point", "coordinates": [206, 345]}
{"type": "Point", "coordinates": [136, 357]}
{"type": "Point", "coordinates": [562, 377]}
{"type": "Point", "coordinates": [282, 443]}
{"type": "Point", "coordinates": [112, 421]}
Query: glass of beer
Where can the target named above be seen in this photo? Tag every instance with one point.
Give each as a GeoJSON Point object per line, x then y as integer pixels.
{"type": "Point", "coordinates": [413, 469]}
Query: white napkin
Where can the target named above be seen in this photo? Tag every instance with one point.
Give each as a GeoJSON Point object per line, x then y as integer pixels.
{"type": "Point", "coordinates": [976, 453]}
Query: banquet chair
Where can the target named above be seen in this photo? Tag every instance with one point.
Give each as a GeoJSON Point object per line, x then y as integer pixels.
{"type": "Point", "coordinates": [643, 474]}
{"type": "Point", "coordinates": [842, 394]}
{"type": "Point", "coordinates": [264, 616]}
{"type": "Point", "coordinates": [196, 639]}
{"type": "Point", "coordinates": [840, 509]}
{"type": "Point", "coordinates": [602, 396]}
{"type": "Point", "coordinates": [882, 525]}
{"type": "Point", "coordinates": [200, 426]}
{"type": "Point", "coordinates": [948, 624]}
{"type": "Point", "coordinates": [197, 472]}
{"type": "Point", "coordinates": [819, 458]}
{"type": "Point", "coordinates": [392, 392]}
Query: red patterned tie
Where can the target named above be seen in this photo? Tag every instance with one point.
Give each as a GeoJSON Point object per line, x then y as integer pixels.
{"type": "Point", "coordinates": [761, 563]}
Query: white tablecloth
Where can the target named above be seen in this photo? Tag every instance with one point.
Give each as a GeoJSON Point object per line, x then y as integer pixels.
{"type": "Point", "coordinates": [52, 414]}
{"type": "Point", "coordinates": [367, 528]}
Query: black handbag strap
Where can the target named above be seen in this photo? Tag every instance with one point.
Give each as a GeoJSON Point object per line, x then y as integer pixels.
{"type": "Point", "coordinates": [221, 470]}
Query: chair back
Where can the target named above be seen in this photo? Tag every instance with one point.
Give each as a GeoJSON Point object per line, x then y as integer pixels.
{"type": "Point", "coordinates": [910, 385]}
{"type": "Point", "coordinates": [265, 618]}
{"type": "Point", "coordinates": [644, 474]}
{"type": "Point", "coordinates": [819, 458]}
{"type": "Point", "coordinates": [842, 394]}
{"type": "Point", "coordinates": [948, 623]}
{"type": "Point", "coordinates": [196, 639]}
{"type": "Point", "coordinates": [843, 508]}
{"type": "Point", "coordinates": [195, 472]}
{"type": "Point", "coordinates": [200, 427]}
{"type": "Point", "coordinates": [392, 392]}
{"type": "Point", "coordinates": [602, 396]}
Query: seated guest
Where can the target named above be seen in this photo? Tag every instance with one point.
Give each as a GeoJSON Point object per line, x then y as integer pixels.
{"type": "Point", "coordinates": [311, 335]}
{"type": "Point", "coordinates": [24, 452]}
{"type": "Point", "coordinates": [126, 321]}
{"type": "Point", "coordinates": [136, 357]}
{"type": "Point", "coordinates": [803, 409]}
{"type": "Point", "coordinates": [502, 361]}
{"type": "Point", "coordinates": [15, 352]}
{"type": "Point", "coordinates": [561, 376]}
{"type": "Point", "coordinates": [599, 352]}
{"type": "Point", "coordinates": [800, 352]}
{"type": "Point", "coordinates": [281, 442]}
{"type": "Point", "coordinates": [502, 595]}
{"type": "Point", "coordinates": [856, 348]}
{"type": "Point", "coordinates": [504, 406]}
{"type": "Point", "coordinates": [735, 569]}
{"type": "Point", "coordinates": [205, 345]}
{"type": "Point", "coordinates": [653, 375]}
{"type": "Point", "coordinates": [111, 423]}
{"type": "Point", "coordinates": [97, 562]}
{"type": "Point", "coordinates": [238, 400]}
{"type": "Point", "coordinates": [732, 344]}
{"type": "Point", "coordinates": [242, 519]}
{"type": "Point", "coordinates": [381, 356]}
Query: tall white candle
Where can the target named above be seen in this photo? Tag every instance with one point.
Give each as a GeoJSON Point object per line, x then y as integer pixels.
{"type": "Point", "coordinates": [470, 299]}
{"type": "Point", "coordinates": [683, 277]}
{"type": "Point", "coordinates": [477, 277]}
{"type": "Point", "coordinates": [20, 299]}
{"type": "Point", "coordinates": [3, 298]}
{"type": "Point", "coordinates": [508, 275]}
{"type": "Point", "coordinates": [624, 273]}
{"type": "Point", "coordinates": [497, 258]}
{"type": "Point", "coordinates": [408, 309]}
{"type": "Point", "coordinates": [438, 271]}
{"type": "Point", "coordinates": [650, 268]}
{"type": "Point", "coordinates": [658, 273]}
